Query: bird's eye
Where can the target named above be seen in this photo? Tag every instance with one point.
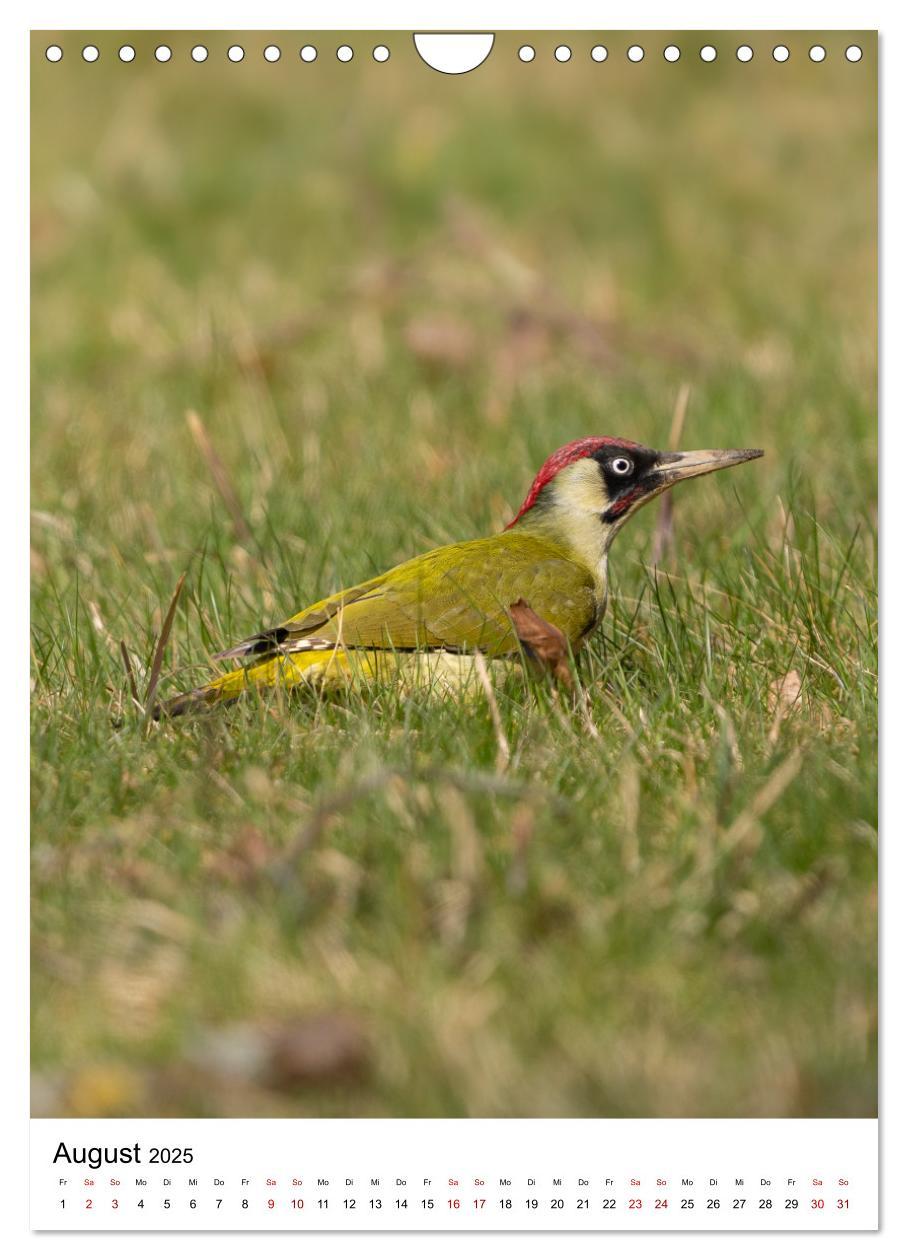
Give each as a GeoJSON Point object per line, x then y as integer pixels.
{"type": "Point", "coordinates": [621, 466]}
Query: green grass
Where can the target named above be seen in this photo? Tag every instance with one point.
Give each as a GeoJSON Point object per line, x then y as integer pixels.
{"type": "Point", "coordinates": [389, 295]}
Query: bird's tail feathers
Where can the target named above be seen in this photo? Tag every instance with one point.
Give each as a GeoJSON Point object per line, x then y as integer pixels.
{"type": "Point", "coordinates": [284, 671]}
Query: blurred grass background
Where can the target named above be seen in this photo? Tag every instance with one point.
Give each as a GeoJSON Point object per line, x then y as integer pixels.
{"type": "Point", "coordinates": [389, 294]}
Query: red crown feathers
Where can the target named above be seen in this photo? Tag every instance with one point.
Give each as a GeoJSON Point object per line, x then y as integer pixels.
{"type": "Point", "coordinates": [565, 455]}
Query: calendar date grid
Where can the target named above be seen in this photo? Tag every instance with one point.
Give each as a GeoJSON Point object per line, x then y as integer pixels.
{"type": "Point", "coordinates": [478, 1195]}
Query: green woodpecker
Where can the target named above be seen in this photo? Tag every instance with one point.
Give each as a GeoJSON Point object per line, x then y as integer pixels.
{"type": "Point", "coordinates": [434, 612]}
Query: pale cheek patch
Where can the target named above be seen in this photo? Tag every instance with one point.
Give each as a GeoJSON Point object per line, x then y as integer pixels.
{"type": "Point", "coordinates": [581, 488]}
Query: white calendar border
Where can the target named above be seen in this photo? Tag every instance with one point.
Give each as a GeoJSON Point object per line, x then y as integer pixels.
{"type": "Point", "coordinates": [395, 14]}
{"type": "Point", "coordinates": [444, 15]}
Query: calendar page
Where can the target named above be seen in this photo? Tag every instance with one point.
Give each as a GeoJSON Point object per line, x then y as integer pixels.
{"type": "Point", "coordinates": [443, 818]}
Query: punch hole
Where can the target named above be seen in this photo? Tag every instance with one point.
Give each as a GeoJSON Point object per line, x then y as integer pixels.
{"type": "Point", "coordinates": [562, 53]}
{"type": "Point", "coordinates": [526, 52]}
{"type": "Point", "coordinates": [235, 53]}
{"type": "Point", "coordinates": [745, 53]}
{"type": "Point", "coordinates": [272, 53]}
{"type": "Point", "coordinates": [90, 53]}
{"type": "Point", "coordinates": [599, 52]}
{"type": "Point", "coordinates": [53, 52]}
{"type": "Point", "coordinates": [453, 53]}
{"type": "Point", "coordinates": [708, 53]}
{"type": "Point", "coordinates": [381, 52]}
{"type": "Point", "coordinates": [635, 53]}
{"type": "Point", "coordinates": [162, 53]}
{"type": "Point", "coordinates": [672, 53]}
{"type": "Point", "coordinates": [126, 53]}
{"type": "Point", "coordinates": [308, 53]}
{"type": "Point", "coordinates": [780, 53]}
{"type": "Point", "coordinates": [817, 53]}
{"type": "Point", "coordinates": [199, 53]}
{"type": "Point", "coordinates": [853, 53]}
{"type": "Point", "coordinates": [345, 53]}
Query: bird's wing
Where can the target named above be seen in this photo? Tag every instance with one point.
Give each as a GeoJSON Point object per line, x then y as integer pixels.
{"type": "Point", "coordinates": [455, 597]}
{"type": "Point", "coordinates": [311, 622]}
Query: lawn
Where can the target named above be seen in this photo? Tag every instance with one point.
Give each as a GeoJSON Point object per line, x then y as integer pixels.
{"type": "Point", "coordinates": [387, 295]}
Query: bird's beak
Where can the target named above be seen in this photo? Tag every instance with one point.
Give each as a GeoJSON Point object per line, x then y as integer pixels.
{"type": "Point", "coordinates": [679, 465]}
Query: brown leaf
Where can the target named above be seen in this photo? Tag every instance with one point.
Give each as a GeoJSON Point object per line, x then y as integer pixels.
{"type": "Point", "coordinates": [785, 692]}
{"type": "Point", "coordinates": [784, 696]}
{"type": "Point", "coordinates": [542, 642]}
{"type": "Point", "coordinates": [323, 1048]}
{"type": "Point", "coordinates": [318, 1049]}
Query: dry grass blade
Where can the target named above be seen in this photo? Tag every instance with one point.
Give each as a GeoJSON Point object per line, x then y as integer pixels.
{"type": "Point", "coordinates": [130, 677]}
{"type": "Point", "coordinates": [220, 477]}
{"type": "Point", "coordinates": [743, 831]}
{"type": "Point", "coordinates": [504, 753]}
{"type": "Point", "coordinates": [542, 642]}
{"type": "Point", "coordinates": [160, 647]}
{"type": "Point", "coordinates": [584, 704]}
{"type": "Point", "coordinates": [662, 538]}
